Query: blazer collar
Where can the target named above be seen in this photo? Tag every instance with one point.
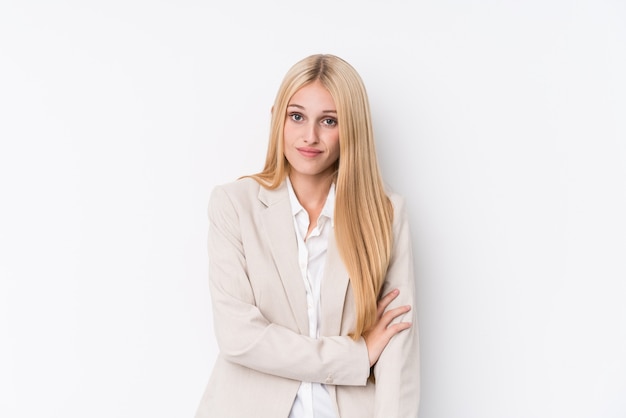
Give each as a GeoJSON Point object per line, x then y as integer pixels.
{"type": "Point", "coordinates": [278, 226]}
{"type": "Point", "coordinates": [277, 221]}
{"type": "Point", "coordinates": [270, 197]}
{"type": "Point", "coordinates": [333, 293]}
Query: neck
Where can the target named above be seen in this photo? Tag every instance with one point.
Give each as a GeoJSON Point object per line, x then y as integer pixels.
{"type": "Point", "coordinates": [311, 191]}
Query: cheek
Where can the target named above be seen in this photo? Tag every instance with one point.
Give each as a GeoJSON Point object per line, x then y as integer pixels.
{"type": "Point", "coordinates": [286, 133]}
{"type": "Point", "coordinates": [291, 133]}
{"type": "Point", "coordinates": [334, 145]}
{"type": "Point", "coordinates": [335, 139]}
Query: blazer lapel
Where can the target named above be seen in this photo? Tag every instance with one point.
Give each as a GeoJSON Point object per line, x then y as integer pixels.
{"type": "Point", "coordinates": [278, 225]}
{"type": "Point", "coordinates": [333, 293]}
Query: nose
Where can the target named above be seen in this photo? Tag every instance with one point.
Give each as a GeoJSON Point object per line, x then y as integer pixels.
{"type": "Point", "coordinates": [311, 134]}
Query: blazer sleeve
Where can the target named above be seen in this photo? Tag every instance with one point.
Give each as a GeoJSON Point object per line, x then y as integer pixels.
{"type": "Point", "coordinates": [397, 371]}
{"type": "Point", "coordinates": [247, 338]}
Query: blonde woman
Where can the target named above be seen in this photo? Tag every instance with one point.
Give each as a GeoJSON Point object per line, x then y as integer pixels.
{"type": "Point", "coordinates": [311, 271]}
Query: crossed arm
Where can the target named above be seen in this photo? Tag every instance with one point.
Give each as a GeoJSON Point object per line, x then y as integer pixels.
{"type": "Point", "coordinates": [247, 338]}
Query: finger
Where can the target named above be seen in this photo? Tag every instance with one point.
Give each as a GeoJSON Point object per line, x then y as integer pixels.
{"type": "Point", "coordinates": [396, 328]}
{"type": "Point", "coordinates": [386, 300]}
{"type": "Point", "coordinates": [394, 313]}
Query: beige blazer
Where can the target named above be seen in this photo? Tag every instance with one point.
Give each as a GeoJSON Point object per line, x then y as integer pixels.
{"type": "Point", "coordinates": [261, 324]}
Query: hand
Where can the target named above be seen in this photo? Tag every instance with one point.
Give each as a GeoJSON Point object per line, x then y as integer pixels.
{"type": "Point", "coordinates": [377, 338]}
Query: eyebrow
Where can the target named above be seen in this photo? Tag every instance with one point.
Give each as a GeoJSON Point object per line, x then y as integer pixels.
{"type": "Point", "coordinates": [302, 107]}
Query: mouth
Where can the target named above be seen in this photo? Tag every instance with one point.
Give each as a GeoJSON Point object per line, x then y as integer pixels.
{"type": "Point", "coordinates": [309, 152]}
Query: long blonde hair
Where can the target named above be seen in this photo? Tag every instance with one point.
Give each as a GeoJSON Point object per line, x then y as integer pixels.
{"type": "Point", "coordinates": [363, 212]}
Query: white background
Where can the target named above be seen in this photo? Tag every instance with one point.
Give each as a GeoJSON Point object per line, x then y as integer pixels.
{"type": "Point", "coordinates": [502, 123]}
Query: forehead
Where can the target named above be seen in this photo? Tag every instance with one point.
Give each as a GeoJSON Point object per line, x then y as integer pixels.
{"type": "Point", "coordinates": [312, 94]}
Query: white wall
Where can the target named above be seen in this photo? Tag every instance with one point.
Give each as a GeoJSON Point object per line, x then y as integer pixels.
{"type": "Point", "coordinates": [501, 122]}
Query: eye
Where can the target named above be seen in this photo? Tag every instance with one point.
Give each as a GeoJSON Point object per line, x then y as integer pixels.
{"type": "Point", "coordinates": [296, 117]}
{"type": "Point", "coordinates": [329, 122]}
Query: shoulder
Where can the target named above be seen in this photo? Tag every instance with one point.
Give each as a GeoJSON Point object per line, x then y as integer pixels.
{"type": "Point", "coordinates": [238, 189]}
{"type": "Point", "coordinates": [236, 194]}
{"type": "Point", "coordinates": [400, 216]}
{"type": "Point", "coordinates": [397, 201]}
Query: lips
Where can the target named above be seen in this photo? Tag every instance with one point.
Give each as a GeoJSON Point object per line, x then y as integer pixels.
{"type": "Point", "coordinates": [309, 152]}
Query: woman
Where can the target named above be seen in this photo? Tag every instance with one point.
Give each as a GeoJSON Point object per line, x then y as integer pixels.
{"type": "Point", "coordinates": [311, 273]}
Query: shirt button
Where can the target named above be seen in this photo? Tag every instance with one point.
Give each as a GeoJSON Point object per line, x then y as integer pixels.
{"type": "Point", "coordinates": [329, 380]}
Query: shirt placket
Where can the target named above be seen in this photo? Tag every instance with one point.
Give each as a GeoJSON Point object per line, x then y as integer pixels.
{"type": "Point", "coordinates": [303, 261]}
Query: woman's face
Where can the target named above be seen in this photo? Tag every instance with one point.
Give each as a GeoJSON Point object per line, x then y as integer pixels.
{"type": "Point", "coordinates": [311, 133]}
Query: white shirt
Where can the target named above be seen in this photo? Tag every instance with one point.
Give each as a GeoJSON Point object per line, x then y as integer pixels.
{"type": "Point", "coordinates": [312, 399]}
